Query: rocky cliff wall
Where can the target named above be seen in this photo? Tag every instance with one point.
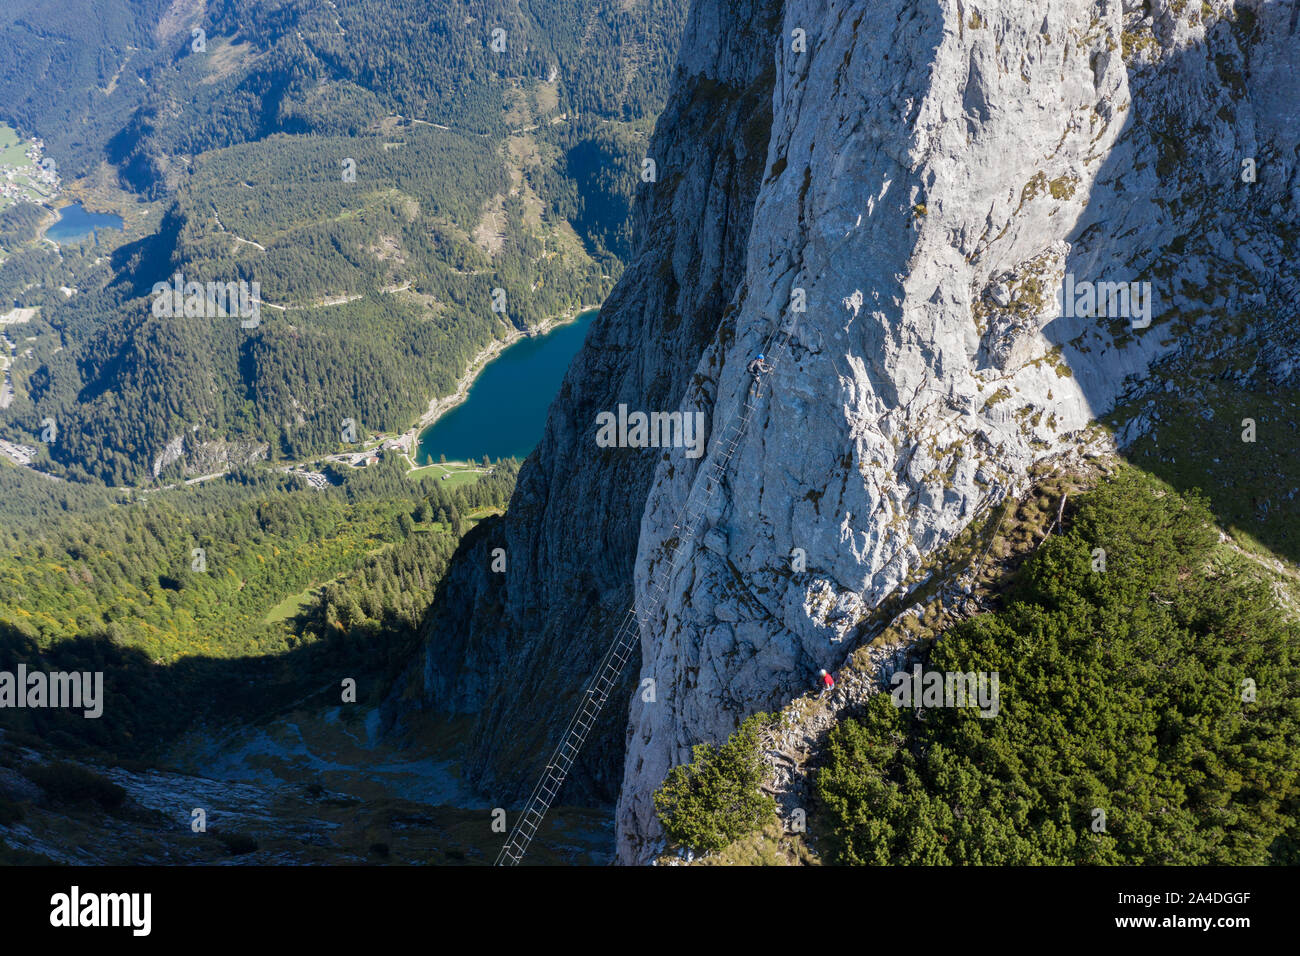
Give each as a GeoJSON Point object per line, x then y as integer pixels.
{"type": "Point", "coordinates": [940, 185]}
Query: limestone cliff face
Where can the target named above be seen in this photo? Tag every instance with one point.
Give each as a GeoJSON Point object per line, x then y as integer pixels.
{"type": "Point", "coordinates": [929, 179]}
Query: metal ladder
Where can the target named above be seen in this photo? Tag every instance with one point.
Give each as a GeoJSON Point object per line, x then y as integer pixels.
{"type": "Point", "coordinates": [628, 634]}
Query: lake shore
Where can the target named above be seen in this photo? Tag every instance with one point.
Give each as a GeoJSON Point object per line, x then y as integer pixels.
{"type": "Point", "coordinates": [439, 407]}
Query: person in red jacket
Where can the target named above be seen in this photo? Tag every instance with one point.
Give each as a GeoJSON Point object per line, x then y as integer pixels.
{"type": "Point", "coordinates": [828, 682]}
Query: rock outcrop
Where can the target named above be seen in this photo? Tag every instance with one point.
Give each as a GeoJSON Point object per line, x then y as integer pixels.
{"type": "Point", "coordinates": [207, 457]}
{"type": "Point", "coordinates": [985, 222]}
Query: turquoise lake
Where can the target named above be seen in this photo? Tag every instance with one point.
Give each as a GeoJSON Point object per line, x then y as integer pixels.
{"type": "Point", "coordinates": [75, 223]}
{"type": "Point", "coordinates": [506, 409]}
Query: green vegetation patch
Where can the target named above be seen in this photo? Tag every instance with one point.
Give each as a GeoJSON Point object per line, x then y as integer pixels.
{"type": "Point", "coordinates": [1149, 712]}
{"type": "Point", "coordinates": [204, 601]}
{"type": "Point", "coordinates": [716, 798]}
{"type": "Point", "coordinates": [1199, 440]}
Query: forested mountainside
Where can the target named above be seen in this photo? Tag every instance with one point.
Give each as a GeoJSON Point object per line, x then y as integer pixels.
{"type": "Point", "coordinates": [403, 185]}
{"type": "Point", "coordinates": [911, 208]}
